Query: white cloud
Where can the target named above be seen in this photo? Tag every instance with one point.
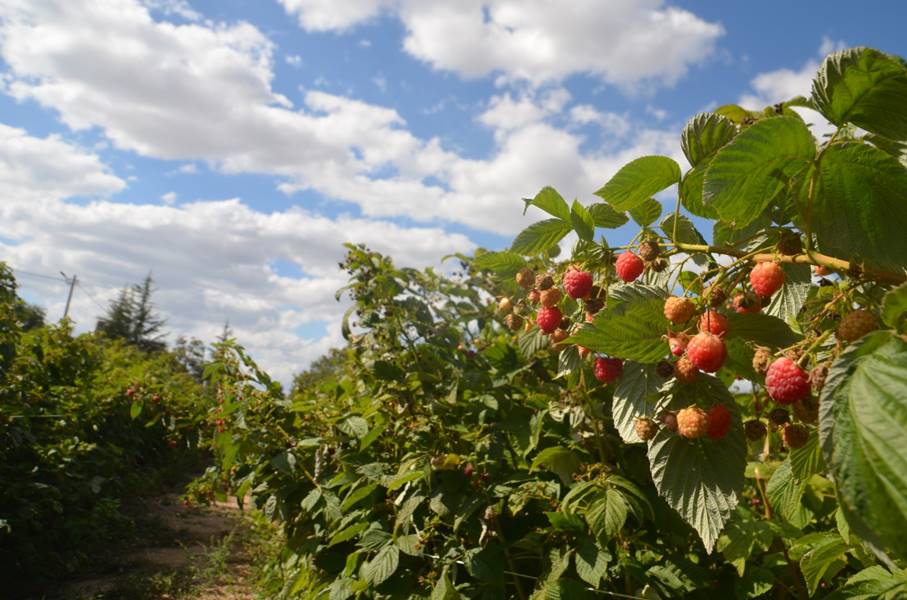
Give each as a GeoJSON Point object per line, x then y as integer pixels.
{"type": "Point", "coordinates": [169, 197]}
{"type": "Point", "coordinates": [188, 169]}
{"type": "Point", "coordinates": [333, 15]}
{"type": "Point", "coordinates": [611, 123]}
{"type": "Point", "coordinates": [294, 60]}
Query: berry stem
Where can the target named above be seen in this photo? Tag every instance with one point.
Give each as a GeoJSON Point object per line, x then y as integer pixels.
{"type": "Point", "coordinates": [816, 343]}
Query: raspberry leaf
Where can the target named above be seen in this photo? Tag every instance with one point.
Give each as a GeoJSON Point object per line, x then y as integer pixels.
{"type": "Point", "coordinates": [785, 493]}
{"type": "Point", "coordinates": [787, 302]}
{"type": "Point", "coordinates": [704, 134]}
{"type": "Point", "coordinates": [505, 264]}
{"type": "Point", "coordinates": [582, 221]}
{"type": "Point", "coordinates": [605, 216]}
{"type": "Point", "coordinates": [540, 236]}
{"type": "Point", "coordinates": [762, 329]}
{"type": "Point", "coordinates": [647, 212]}
{"type": "Point", "coordinates": [639, 180]}
{"type": "Point", "coordinates": [636, 395]}
{"type": "Point", "coordinates": [550, 201]}
{"type": "Point", "coordinates": [894, 307]}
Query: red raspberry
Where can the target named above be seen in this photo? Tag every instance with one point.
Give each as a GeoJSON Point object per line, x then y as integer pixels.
{"type": "Point", "coordinates": [714, 322]}
{"type": "Point", "coordinates": [548, 318]}
{"type": "Point", "coordinates": [786, 381]}
{"type": "Point", "coordinates": [747, 303]}
{"type": "Point", "coordinates": [692, 422]}
{"type": "Point", "coordinates": [629, 266]}
{"type": "Point", "coordinates": [719, 421]}
{"type": "Point", "coordinates": [646, 428]}
{"type": "Point", "coordinates": [685, 371]}
{"type": "Point", "coordinates": [677, 343]}
{"type": "Point", "coordinates": [707, 352]}
{"type": "Point", "coordinates": [767, 278]}
{"type": "Point", "coordinates": [678, 310]}
{"type": "Point", "coordinates": [855, 325]}
{"type": "Point", "coordinates": [608, 369]}
{"type": "Point", "coordinates": [578, 284]}
{"type": "Point", "coordinates": [550, 297]}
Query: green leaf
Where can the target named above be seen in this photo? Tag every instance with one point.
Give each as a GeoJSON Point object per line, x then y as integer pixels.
{"type": "Point", "coordinates": [686, 231]}
{"type": "Point", "coordinates": [635, 395]}
{"type": "Point", "coordinates": [591, 561]}
{"type": "Point", "coordinates": [357, 496]}
{"type": "Point", "coordinates": [631, 330]}
{"type": "Point", "coordinates": [874, 583]}
{"type": "Point", "coordinates": [582, 221]}
{"type": "Point", "coordinates": [444, 589]}
{"type": "Point", "coordinates": [540, 236]}
{"type": "Point", "coordinates": [504, 263]}
{"type": "Point", "coordinates": [785, 493]}
{"type": "Point", "coordinates": [383, 565]}
{"type": "Point", "coordinates": [865, 87]}
{"type": "Point", "coordinates": [551, 202]}
{"type": "Point", "coordinates": [787, 302]}
{"type": "Point", "coordinates": [606, 217]}
{"type": "Point", "coordinates": [691, 191]}
{"type": "Point", "coordinates": [735, 113]}
{"type": "Point", "coordinates": [806, 460]}
{"type": "Point", "coordinates": [704, 135]}
{"type": "Point", "coordinates": [348, 533]}
{"type": "Point", "coordinates": [606, 515]}
{"type": "Point", "coordinates": [355, 426]}
{"type": "Point", "coordinates": [135, 409]}
{"type": "Point", "coordinates": [894, 307]}
{"type": "Point", "coordinates": [557, 459]}
{"type": "Point", "coordinates": [863, 432]}
{"type": "Point", "coordinates": [646, 212]}
{"type": "Point", "coordinates": [762, 329]}
{"type": "Point", "coordinates": [820, 561]}
{"type": "Point", "coordinates": [700, 479]}
{"type": "Point", "coordinates": [750, 171]}
{"type": "Point", "coordinates": [896, 149]}
{"type": "Point", "coordinates": [859, 209]}
{"type": "Point", "coordinates": [639, 180]}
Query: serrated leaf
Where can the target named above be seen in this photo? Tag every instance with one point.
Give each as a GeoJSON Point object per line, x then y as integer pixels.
{"type": "Point", "coordinates": [629, 330]}
{"type": "Point", "coordinates": [557, 459]}
{"type": "Point", "coordinates": [550, 201]}
{"type": "Point", "coordinates": [639, 180]}
{"type": "Point", "coordinates": [894, 307]}
{"type": "Point", "coordinates": [606, 217]}
{"type": "Point", "coordinates": [820, 560]}
{"type": "Point", "coordinates": [865, 87]}
{"type": "Point", "coordinates": [686, 231]}
{"type": "Point", "coordinates": [530, 342]}
{"type": "Point", "coordinates": [635, 395]}
{"type": "Point", "coordinates": [859, 209]}
{"type": "Point", "coordinates": [704, 135]}
{"type": "Point", "coordinates": [540, 236]}
{"type": "Point", "coordinates": [863, 433]}
{"type": "Point", "coordinates": [591, 561]}
{"type": "Point", "coordinates": [807, 459]}
{"type": "Point", "coordinates": [504, 263]}
{"type": "Point", "coordinates": [761, 329]}
{"type": "Point", "coordinates": [606, 515]}
{"type": "Point", "coordinates": [357, 496]}
{"type": "Point", "coordinates": [736, 113]}
{"type": "Point", "coordinates": [787, 302]}
{"type": "Point", "coordinates": [691, 191]}
{"type": "Point", "coordinates": [645, 213]}
{"type": "Point", "coordinates": [348, 533]}
{"type": "Point", "coordinates": [749, 172]}
{"type": "Point", "coordinates": [444, 589]}
{"type": "Point", "coordinates": [582, 221]}
{"type": "Point", "coordinates": [785, 493]}
{"type": "Point", "coordinates": [355, 426]}
{"type": "Point", "coordinates": [700, 479]}
{"type": "Point", "coordinates": [383, 565]}
{"type": "Point", "coordinates": [874, 583]}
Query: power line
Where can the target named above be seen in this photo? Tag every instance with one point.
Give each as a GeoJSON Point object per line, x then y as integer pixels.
{"type": "Point", "coordinates": [92, 298]}
{"type": "Point", "coordinates": [56, 278]}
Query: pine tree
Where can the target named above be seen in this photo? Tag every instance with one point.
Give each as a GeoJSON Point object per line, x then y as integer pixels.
{"type": "Point", "coordinates": [117, 323]}
{"type": "Point", "coordinates": [146, 325]}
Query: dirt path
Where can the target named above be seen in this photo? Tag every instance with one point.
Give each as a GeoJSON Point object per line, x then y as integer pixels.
{"type": "Point", "coordinates": [181, 553]}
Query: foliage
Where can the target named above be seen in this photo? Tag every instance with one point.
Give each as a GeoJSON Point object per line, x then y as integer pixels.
{"type": "Point", "coordinates": [132, 317]}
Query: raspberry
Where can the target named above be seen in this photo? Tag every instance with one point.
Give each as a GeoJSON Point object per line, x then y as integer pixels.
{"type": "Point", "coordinates": [762, 359]}
{"type": "Point", "coordinates": [664, 369]}
{"type": "Point", "coordinates": [548, 318]}
{"type": "Point", "coordinates": [855, 325]}
{"type": "Point", "coordinates": [669, 420]}
{"type": "Point", "coordinates": [578, 284]}
{"type": "Point", "coordinates": [629, 266]}
{"type": "Point", "coordinates": [583, 351]}
{"type": "Point", "coordinates": [779, 416]}
{"type": "Point", "coordinates": [559, 336]}
{"type": "Point", "coordinates": [692, 422]}
{"type": "Point", "coordinates": [685, 371]}
{"type": "Point", "coordinates": [543, 281]}
{"type": "Point", "coordinates": [608, 369]}
{"type": "Point", "coordinates": [713, 322]}
{"type": "Point", "coordinates": [807, 409]}
{"type": "Point", "coordinates": [646, 428]}
{"type": "Point", "coordinates": [817, 377]}
{"type": "Point", "coordinates": [513, 321]}
{"type": "Point", "coordinates": [755, 430]}
{"type": "Point", "coordinates": [719, 421]}
{"type": "Point", "coordinates": [707, 352]}
{"type": "Point", "coordinates": [505, 305]}
{"type": "Point", "coordinates": [593, 305]}
{"type": "Point", "coordinates": [786, 381]}
{"type": "Point", "coordinates": [790, 243]}
{"type": "Point", "coordinates": [714, 296]}
{"type": "Point", "coordinates": [767, 278]}
{"type": "Point", "coordinates": [747, 303]}
{"type": "Point", "coordinates": [794, 435]}
{"type": "Point", "coordinates": [659, 265]}
{"type": "Point", "coordinates": [534, 296]}
{"type": "Point", "coordinates": [550, 297]}
{"type": "Point", "coordinates": [677, 343]}
{"type": "Point", "coordinates": [820, 271]}
{"type": "Point", "coordinates": [678, 310]}
{"type": "Point", "coordinates": [649, 250]}
{"type": "Point", "coordinates": [525, 278]}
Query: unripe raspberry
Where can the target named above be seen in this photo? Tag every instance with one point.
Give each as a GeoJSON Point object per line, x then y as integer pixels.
{"type": "Point", "coordinates": [558, 336]}
{"type": "Point", "coordinates": [719, 421]}
{"type": "Point", "coordinates": [817, 377]}
{"type": "Point", "coordinates": [534, 296]}
{"type": "Point", "coordinates": [550, 297]}
{"type": "Point", "coordinates": [513, 321]}
{"type": "Point", "coordinates": [855, 325]}
{"type": "Point", "coordinates": [767, 278]}
{"type": "Point", "coordinates": [593, 305]}
{"type": "Point", "coordinates": [755, 430]}
{"type": "Point", "coordinates": [779, 416]}
{"type": "Point", "coordinates": [669, 420]}
{"type": "Point", "coordinates": [678, 310]}
{"type": "Point", "coordinates": [692, 422]}
{"type": "Point", "coordinates": [790, 243]}
{"type": "Point", "coordinates": [747, 303]}
{"type": "Point", "coordinates": [649, 250]}
{"type": "Point", "coordinates": [714, 296]}
{"type": "Point", "coordinates": [548, 318]}
{"type": "Point", "coordinates": [543, 281]}
{"type": "Point", "coordinates": [685, 371]}
{"type": "Point", "coordinates": [786, 382]}
{"type": "Point", "coordinates": [659, 265]}
{"type": "Point", "coordinates": [707, 352]}
{"type": "Point", "coordinates": [762, 359]}
{"type": "Point", "coordinates": [678, 343]}
{"type": "Point", "coordinates": [664, 369]}
{"type": "Point", "coordinates": [608, 370]}
{"type": "Point", "coordinates": [578, 284]}
{"type": "Point", "coordinates": [806, 409]}
{"type": "Point", "coordinates": [794, 435]}
{"type": "Point", "coordinates": [629, 266]}
{"type": "Point", "coordinates": [525, 278]}
{"type": "Point", "coordinates": [713, 322]}
{"type": "Point", "coordinates": [505, 305]}
{"type": "Point", "coordinates": [646, 428]}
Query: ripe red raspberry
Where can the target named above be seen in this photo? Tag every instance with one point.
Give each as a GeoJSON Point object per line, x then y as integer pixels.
{"type": "Point", "coordinates": [786, 381]}
{"type": "Point", "coordinates": [677, 343]}
{"type": "Point", "coordinates": [685, 371]}
{"type": "Point", "coordinates": [629, 266]}
{"type": "Point", "coordinates": [755, 430]}
{"type": "Point", "coordinates": [767, 278]}
{"type": "Point", "coordinates": [794, 435]}
{"type": "Point", "coordinates": [550, 297]}
{"type": "Point", "coordinates": [649, 250]}
{"type": "Point", "coordinates": [707, 352]}
{"type": "Point", "coordinates": [678, 310]}
{"type": "Point", "coordinates": [646, 428]}
{"type": "Point", "coordinates": [855, 325]}
{"type": "Point", "coordinates": [692, 422]}
{"type": "Point", "coordinates": [608, 369]}
{"type": "Point", "coordinates": [548, 318]}
{"type": "Point", "coordinates": [525, 278]}
{"type": "Point", "coordinates": [762, 359]}
{"type": "Point", "coordinates": [713, 322]}
{"type": "Point", "coordinates": [578, 284]}
{"type": "Point", "coordinates": [719, 421]}
{"type": "Point", "coordinates": [747, 303]}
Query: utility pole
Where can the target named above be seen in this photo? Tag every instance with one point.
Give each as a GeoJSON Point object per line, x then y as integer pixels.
{"type": "Point", "coordinates": [72, 286]}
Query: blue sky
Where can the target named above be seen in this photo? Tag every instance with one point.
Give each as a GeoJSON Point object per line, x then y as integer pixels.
{"type": "Point", "coordinates": [230, 147]}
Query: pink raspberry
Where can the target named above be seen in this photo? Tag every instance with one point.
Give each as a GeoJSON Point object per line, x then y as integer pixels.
{"type": "Point", "coordinates": [719, 421]}
{"type": "Point", "coordinates": [786, 381]}
{"type": "Point", "coordinates": [713, 322]}
{"type": "Point", "coordinates": [548, 318]}
{"type": "Point", "coordinates": [767, 278]}
{"type": "Point", "coordinates": [608, 369]}
{"type": "Point", "coordinates": [578, 284]}
{"type": "Point", "coordinates": [707, 352]}
{"type": "Point", "coordinates": [629, 266]}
